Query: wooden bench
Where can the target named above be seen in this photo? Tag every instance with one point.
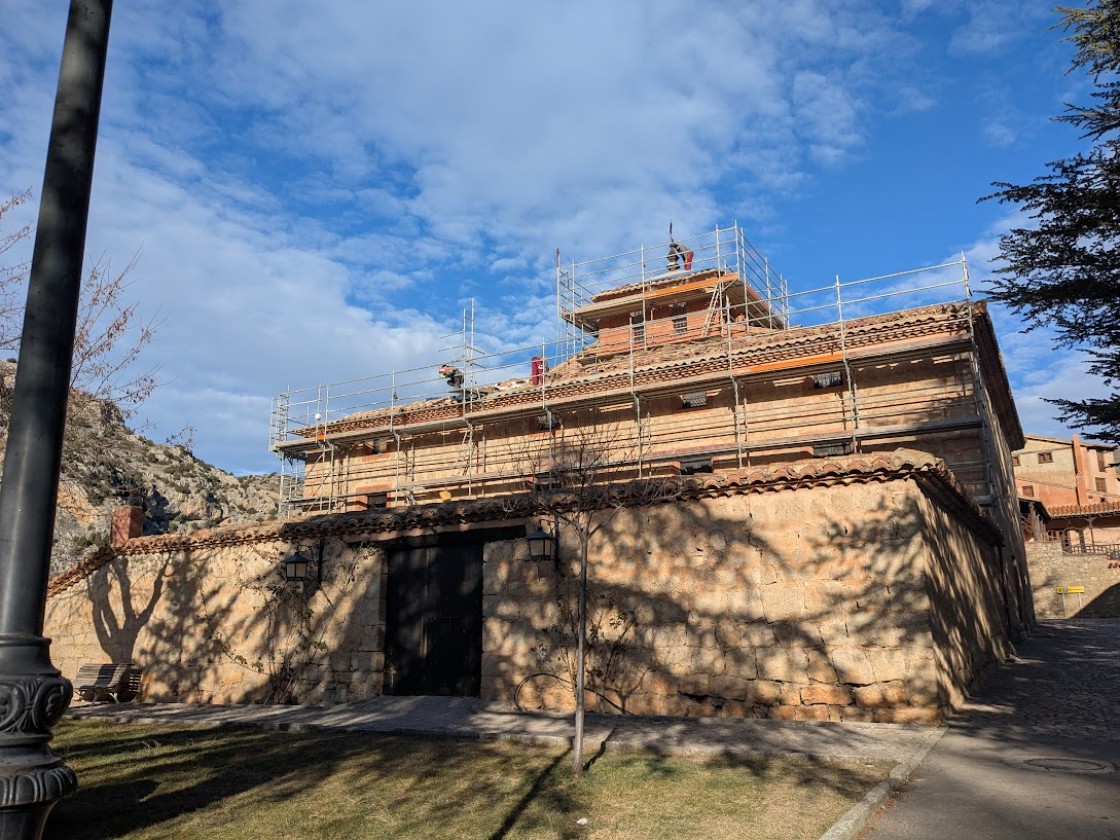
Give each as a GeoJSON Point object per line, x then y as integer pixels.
{"type": "Point", "coordinates": [104, 683]}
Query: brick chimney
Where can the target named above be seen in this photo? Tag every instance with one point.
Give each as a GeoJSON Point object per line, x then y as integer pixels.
{"type": "Point", "coordinates": [128, 522]}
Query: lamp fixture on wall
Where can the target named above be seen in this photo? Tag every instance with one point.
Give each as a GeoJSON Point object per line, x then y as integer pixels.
{"type": "Point", "coordinates": [543, 546]}
{"type": "Point", "coordinates": [295, 568]}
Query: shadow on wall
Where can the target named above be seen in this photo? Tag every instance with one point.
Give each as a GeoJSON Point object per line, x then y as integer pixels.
{"type": "Point", "coordinates": [854, 602]}
{"type": "Point", "coordinates": [692, 612]}
{"type": "Point", "coordinates": [222, 625]}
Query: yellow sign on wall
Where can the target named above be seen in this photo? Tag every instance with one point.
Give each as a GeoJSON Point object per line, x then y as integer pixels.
{"type": "Point", "coordinates": [1076, 589]}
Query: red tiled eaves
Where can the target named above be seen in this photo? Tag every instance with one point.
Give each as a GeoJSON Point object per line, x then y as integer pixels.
{"type": "Point", "coordinates": [900, 465]}
{"type": "Point", "coordinates": [1084, 510]}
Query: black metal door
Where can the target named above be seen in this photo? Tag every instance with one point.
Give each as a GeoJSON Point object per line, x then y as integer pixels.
{"type": "Point", "coordinates": [433, 622]}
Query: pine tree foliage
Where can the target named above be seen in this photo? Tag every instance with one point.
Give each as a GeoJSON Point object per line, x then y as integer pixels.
{"type": "Point", "coordinates": [1064, 271]}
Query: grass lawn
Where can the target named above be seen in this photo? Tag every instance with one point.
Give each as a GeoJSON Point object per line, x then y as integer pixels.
{"type": "Point", "coordinates": [162, 782]}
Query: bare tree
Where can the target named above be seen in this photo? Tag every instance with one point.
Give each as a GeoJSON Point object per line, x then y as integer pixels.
{"type": "Point", "coordinates": [585, 472]}
{"type": "Point", "coordinates": [110, 334]}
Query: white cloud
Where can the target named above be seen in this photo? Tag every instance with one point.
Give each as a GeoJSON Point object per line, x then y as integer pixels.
{"type": "Point", "coordinates": [318, 190]}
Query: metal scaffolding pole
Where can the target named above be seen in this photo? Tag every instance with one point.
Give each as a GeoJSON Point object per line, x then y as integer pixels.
{"type": "Point", "coordinates": [32, 778]}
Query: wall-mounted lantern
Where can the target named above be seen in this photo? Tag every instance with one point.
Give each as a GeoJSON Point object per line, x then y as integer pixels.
{"type": "Point", "coordinates": [295, 568]}
{"type": "Point", "coordinates": [543, 546]}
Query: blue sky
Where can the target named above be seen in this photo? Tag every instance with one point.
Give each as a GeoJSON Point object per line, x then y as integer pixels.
{"type": "Point", "coordinates": [317, 190]}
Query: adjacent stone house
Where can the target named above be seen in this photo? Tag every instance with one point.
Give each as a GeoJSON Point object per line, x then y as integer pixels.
{"type": "Point", "coordinates": [785, 515]}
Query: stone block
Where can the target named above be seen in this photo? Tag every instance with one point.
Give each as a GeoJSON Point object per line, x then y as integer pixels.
{"type": "Point", "coordinates": [764, 693]}
{"type": "Point", "coordinates": [852, 665]}
{"type": "Point", "coordinates": [833, 695]}
{"type": "Point", "coordinates": [880, 695]}
{"type": "Point", "coordinates": [854, 714]}
{"type": "Point", "coordinates": [728, 635]}
{"type": "Point", "coordinates": [783, 664]}
{"type": "Point", "coordinates": [833, 632]}
{"type": "Point", "coordinates": [783, 602]}
{"type": "Point", "coordinates": [925, 715]}
{"type": "Point", "coordinates": [759, 635]}
{"type": "Point", "coordinates": [887, 663]}
{"type": "Point", "coordinates": [819, 668]}
{"type": "Point", "coordinates": [730, 686]}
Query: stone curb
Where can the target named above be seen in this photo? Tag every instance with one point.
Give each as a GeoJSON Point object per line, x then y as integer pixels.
{"type": "Point", "coordinates": [849, 826]}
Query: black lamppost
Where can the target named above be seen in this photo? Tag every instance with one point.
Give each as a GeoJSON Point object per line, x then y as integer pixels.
{"type": "Point", "coordinates": [33, 694]}
{"type": "Point", "coordinates": [546, 546]}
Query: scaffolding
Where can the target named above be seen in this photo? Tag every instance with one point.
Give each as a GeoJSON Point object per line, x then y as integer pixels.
{"type": "Point", "coordinates": [334, 439]}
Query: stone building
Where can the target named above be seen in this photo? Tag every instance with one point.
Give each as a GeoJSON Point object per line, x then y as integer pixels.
{"type": "Point", "coordinates": [798, 506]}
{"type": "Point", "coordinates": [1076, 485]}
{"type": "Point", "coordinates": [1069, 495]}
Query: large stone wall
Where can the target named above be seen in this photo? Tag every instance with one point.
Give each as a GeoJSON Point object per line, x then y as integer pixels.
{"type": "Point", "coordinates": [219, 624]}
{"type": "Point", "coordinates": [1051, 567]}
{"type": "Point", "coordinates": [839, 591]}
{"type": "Point", "coordinates": [844, 602]}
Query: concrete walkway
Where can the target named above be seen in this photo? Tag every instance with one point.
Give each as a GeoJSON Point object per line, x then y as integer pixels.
{"type": "Point", "coordinates": [457, 717]}
{"type": "Point", "coordinates": [1034, 756]}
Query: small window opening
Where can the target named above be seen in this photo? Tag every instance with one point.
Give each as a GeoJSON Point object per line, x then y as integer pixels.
{"type": "Point", "coordinates": [638, 327]}
{"type": "Point", "coordinates": [693, 466]}
{"type": "Point", "coordinates": [1045, 457]}
{"type": "Point", "coordinates": [1028, 490]}
{"type": "Point", "coordinates": [831, 450]}
{"type": "Point", "coordinates": [828, 380]}
{"type": "Point", "coordinates": [680, 320]}
{"type": "Point", "coordinates": [694, 399]}
{"type": "Point", "coordinates": [1102, 485]}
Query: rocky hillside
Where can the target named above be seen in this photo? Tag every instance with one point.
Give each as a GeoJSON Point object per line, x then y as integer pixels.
{"type": "Point", "coordinates": [106, 465]}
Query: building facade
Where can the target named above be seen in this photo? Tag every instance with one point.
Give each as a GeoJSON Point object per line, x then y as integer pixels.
{"type": "Point", "coordinates": [791, 506]}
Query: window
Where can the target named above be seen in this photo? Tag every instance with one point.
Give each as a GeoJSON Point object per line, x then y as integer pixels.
{"type": "Point", "coordinates": [694, 399]}
{"type": "Point", "coordinates": [828, 380]}
{"type": "Point", "coordinates": [1101, 465]}
{"type": "Point", "coordinates": [1046, 457]}
{"type": "Point", "coordinates": [1102, 485]}
{"type": "Point", "coordinates": [1028, 490]}
{"type": "Point", "coordinates": [692, 466]}
{"type": "Point", "coordinates": [1015, 460]}
{"type": "Point", "coordinates": [680, 320]}
{"type": "Point", "coordinates": [638, 327]}
{"type": "Point", "coordinates": [830, 450]}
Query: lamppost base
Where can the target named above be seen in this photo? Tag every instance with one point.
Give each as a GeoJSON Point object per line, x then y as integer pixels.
{"type": "Point", "coordinates": [33, 696]}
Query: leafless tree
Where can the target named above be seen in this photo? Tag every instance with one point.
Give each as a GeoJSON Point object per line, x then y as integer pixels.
{"type": "Point", "coordinates": [110, 334]}
{"type": "Point", "coordinates": [585, 471]}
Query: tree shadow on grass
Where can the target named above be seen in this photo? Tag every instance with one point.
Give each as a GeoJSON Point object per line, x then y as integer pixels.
{"type": "Point", "coordinates": [140, 778]}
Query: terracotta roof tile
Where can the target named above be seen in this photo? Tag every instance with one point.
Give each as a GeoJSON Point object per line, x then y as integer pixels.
{"type": "Point", "coordinates": [857, 469]}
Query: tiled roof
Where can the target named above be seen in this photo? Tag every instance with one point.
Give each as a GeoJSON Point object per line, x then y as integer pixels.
{"type": "Point", "coordinates": [1085, 510]}
{"type": "Point", "coordinates": [857, 469]}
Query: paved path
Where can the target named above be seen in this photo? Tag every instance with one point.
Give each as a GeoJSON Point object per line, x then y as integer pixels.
{"type": "Point", "coordinates": [1034, 756]}
{"type": "Point", "coordinates": [468, 718]}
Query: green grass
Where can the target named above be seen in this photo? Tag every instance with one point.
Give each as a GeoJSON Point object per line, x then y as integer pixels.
{"type": "Point", "coordinates": [160, 782]}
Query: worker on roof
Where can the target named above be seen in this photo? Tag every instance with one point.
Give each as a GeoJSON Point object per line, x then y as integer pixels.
{"type": "Point", "coordinates": [677, 254]}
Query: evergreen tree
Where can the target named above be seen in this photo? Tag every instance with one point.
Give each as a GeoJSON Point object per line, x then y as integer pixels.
{"type": "Point", "coordinates": [1065, 272]}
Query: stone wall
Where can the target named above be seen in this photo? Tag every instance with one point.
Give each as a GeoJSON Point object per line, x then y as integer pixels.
{"type": "Point", "coordinates": [220, 625]}
{"type": "Point", "coordinates": [844, 602]}
{"type": "Point", "coordinates": [1051, 567]}
{"type": "Point", "coordinates": [856, 590]}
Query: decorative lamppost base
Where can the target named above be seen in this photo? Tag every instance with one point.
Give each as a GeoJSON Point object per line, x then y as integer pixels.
{"type": "Point", "coordinates": [33, 697]}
